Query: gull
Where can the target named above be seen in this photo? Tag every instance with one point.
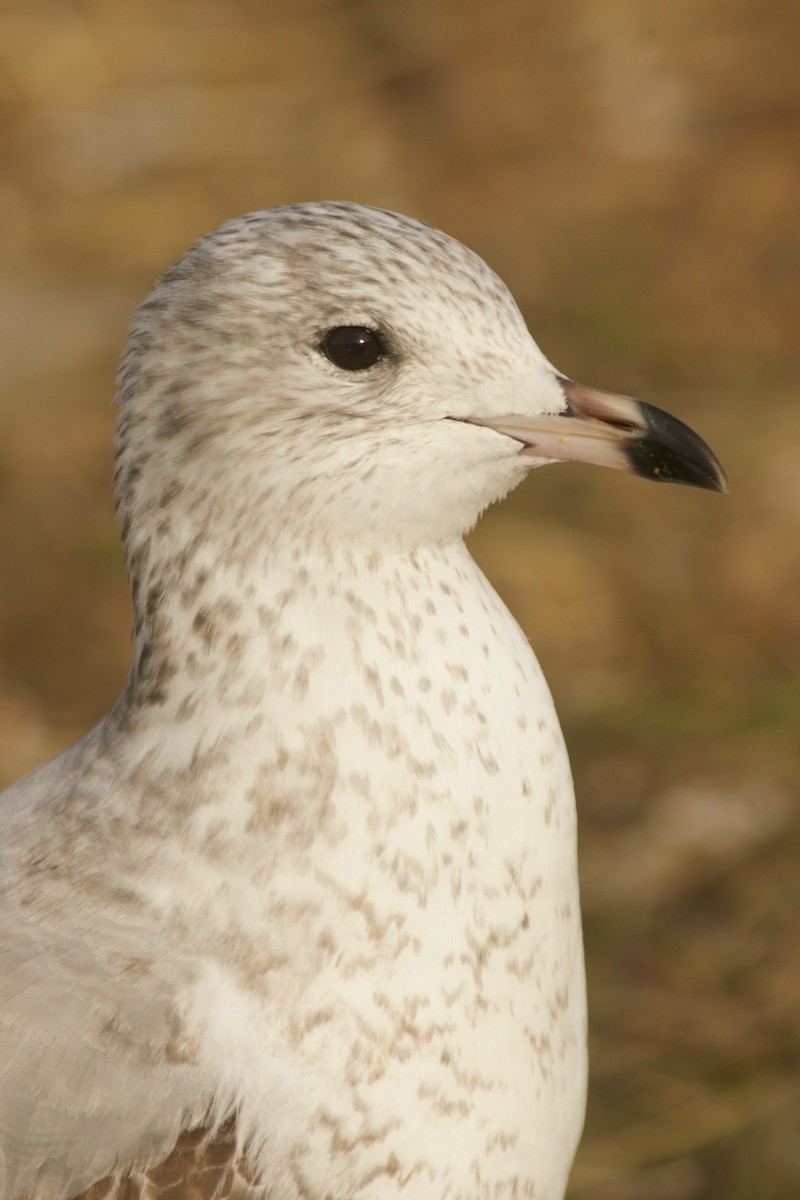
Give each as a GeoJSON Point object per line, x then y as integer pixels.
{"type": "Point", "coordinates": [299, 919]}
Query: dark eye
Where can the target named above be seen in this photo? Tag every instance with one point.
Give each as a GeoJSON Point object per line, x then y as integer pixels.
{"type": "Point", "coordinates": [353, 347]}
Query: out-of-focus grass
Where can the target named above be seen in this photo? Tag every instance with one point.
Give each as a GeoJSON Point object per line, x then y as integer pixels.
{"type": "Point", "coordinates": [632, 172]}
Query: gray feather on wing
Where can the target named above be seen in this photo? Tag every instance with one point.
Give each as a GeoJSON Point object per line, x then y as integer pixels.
{"type": "Point", "coordinates": [92, 1072]}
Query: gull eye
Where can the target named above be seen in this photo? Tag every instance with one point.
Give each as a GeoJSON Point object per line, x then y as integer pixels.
{"type": "Point", "coordinates": [353, 347]}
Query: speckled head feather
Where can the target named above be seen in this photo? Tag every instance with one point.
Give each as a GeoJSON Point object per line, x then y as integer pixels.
{"type": "Point", "coordinates": [230, 409]}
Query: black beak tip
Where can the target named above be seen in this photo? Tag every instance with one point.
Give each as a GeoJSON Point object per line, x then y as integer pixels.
{"type": "Point", "coordinates": [667, 451]}
{"type": "Point", "coordinates": [720, 482]}
{"type": "Point", "coordinates": [663, 465]}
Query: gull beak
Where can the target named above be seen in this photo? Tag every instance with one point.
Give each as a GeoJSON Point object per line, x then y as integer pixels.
{"type": "Point", "coordinates": [619, 432]}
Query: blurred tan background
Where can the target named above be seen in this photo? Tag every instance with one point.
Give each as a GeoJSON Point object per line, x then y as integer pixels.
{"type": "Point", "coordinates": [632, 170]}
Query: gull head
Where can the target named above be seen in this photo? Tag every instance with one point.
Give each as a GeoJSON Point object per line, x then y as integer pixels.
{"type": "Point", "coordinates": [339, 375]}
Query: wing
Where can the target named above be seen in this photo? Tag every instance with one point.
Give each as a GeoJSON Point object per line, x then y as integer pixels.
{"type": "Point", "coordinates": [92, 1071]}
{"type": "Point", "coordinates": [94, 1074]}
